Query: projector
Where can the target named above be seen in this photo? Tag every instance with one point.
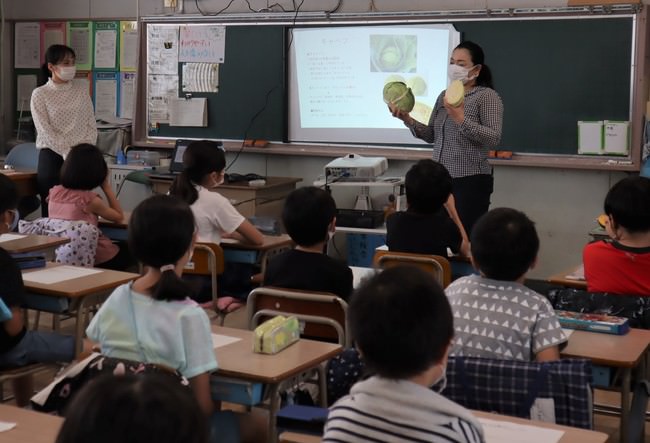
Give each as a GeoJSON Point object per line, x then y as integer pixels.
{"type": "Point", "coordinates": [354, 167]}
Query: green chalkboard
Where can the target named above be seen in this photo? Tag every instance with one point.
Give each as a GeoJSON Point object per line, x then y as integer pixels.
{"type": "Point", "coordinates": [251, 81]}
{"type": "Point", "coordinates": [552, 73]}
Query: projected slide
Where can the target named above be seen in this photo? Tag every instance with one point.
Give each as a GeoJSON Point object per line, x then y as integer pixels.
{"type": "Point", "coordinates": [337, 75]}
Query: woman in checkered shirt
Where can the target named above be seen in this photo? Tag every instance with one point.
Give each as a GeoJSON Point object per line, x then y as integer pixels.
{"type": "Point", "coordinates": [461, 136]}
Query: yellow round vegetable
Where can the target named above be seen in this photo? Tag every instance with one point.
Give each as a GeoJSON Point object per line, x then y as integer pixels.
{"type": "Point", "coordinates": [455, 93]}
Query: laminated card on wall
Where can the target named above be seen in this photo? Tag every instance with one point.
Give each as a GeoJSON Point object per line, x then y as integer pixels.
{"type": "Point", "coordinates": [188, 112]}
{"type": "Point", "coordinates": [590, 137]}
{"type": "Point", "coordinates": [616, 138]}
{"type": "Point", "coordinates": [80, 38]}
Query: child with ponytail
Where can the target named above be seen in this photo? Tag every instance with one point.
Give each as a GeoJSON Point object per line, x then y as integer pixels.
{"type": "Point", "coordinates": [153, 320]}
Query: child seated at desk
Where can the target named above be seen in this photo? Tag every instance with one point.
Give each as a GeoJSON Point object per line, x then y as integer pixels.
{"type": "Point", "coordinates": [430, 225]}
{"type": "Point", "coordinates": [621, 264]}
{"type": "Point", "coordinates": [309, 216]}
{"type": "Point", "coordinates": [215, 216]}
{"type": "Point", "coordinates": [18, 346]}
{"type": "Point", "coordinates": [153, 320]}
{"type": "Point", "coordinates": [403, 326]}
{"type": "Point", "coordinates": [495, 315]}
{"type": "Point", "coordinates": [83, 170]}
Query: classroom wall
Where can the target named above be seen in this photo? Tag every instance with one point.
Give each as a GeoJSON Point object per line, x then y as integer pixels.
{"type": "Point", "coordinates": [563, 203]}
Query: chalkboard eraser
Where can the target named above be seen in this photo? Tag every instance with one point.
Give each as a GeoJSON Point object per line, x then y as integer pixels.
{"type": "Point", "coordinates": [249, 143]}
{"type": "Point", "coordinates": [507, 155]}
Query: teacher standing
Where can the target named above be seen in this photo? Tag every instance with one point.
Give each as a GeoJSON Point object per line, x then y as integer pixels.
{"type": "Point", "coordinates": [63, 115]}
{"type": "Point", "coordinates": [462, 136]}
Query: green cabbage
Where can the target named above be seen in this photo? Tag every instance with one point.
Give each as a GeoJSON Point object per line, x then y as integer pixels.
{"type": "Point", "coordinates": [400, 95]}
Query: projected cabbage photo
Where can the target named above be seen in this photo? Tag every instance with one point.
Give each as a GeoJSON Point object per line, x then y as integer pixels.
{"type": "Point", "coordinates": [393, 53]}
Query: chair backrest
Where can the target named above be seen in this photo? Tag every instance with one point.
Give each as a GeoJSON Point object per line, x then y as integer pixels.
{"type": "Point", "coordinates": [81, 249]}
{"type": "Point", "coordinates": [636, 308]}
{"type": "Point", "coordinates": [207, 259]}
{"type": "Point", "coordinates": [23, 156]}
{"type": "Point", "coordinates": [510, 387]}
{"type": "Point", "coordinates": [325, 316]}
{"type": "Point", "coordinates": [436, 265]}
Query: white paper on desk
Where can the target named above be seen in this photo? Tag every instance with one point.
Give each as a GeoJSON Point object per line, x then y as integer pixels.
{"type": "Point", "coordinates": [219, 341]}
{"type": "Point", "coordinates": [6, 426]}
{"type": "Point", "coordinates": [188, 112]}
{"type": "Point", "coordinates": [360, 274]}
{"type": "Point", "coordinates": [10, 237]}
{"type": "Point", "coordinates": [578, 274]}
{"type": "Point", "coordinates": [58, 274]}
{"type": "Point", "coordinates": [497, 431]}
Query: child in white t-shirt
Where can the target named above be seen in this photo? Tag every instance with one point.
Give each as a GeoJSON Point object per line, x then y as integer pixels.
{"type": "Point", "coordinates": [215, 216]}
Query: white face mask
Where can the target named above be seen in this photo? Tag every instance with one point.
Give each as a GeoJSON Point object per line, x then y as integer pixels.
{"type": "Point", "coordinates": [440, 384]}
{"type": "Point", "coordinates": [66, 73]}
{"type": "Point", "coordinates": [456, 72]}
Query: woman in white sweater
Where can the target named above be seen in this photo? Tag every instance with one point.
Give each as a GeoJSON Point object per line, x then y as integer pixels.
{"type": "Point", "coordinates": [402, 325]}
{"type": "Point", "coordinates": [63, 115]}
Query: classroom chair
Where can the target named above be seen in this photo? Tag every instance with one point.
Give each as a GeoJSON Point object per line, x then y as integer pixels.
{"type": "Point", "coordinates": [511, 387]}
{"type": "Point", "coordinates": [25, 156]}
{"type": "Point", "coordinates": [324, 316]}
{"type": "Point", "coordinates": [10, 374]}
{"type": "Point", "coordinates": [638, 409]}
{"type": "Point", "coordinates": [436, 265]}
{"type": "Point", "coordinates": [207, 260]}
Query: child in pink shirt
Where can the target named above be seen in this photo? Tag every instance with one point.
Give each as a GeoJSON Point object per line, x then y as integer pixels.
{"type": "Point", "coordinates": [83, 170]}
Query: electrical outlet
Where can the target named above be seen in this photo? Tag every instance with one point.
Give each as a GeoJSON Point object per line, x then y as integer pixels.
{"type": "Point", "coordinates": [117, 177]}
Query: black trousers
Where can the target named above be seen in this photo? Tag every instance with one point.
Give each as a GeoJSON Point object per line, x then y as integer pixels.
{"type": "Point", "coordinates": [472, 195]}
{"type": "Point", "coordinates": [48, 175]}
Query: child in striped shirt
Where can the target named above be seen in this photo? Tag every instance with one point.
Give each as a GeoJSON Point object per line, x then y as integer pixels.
{"type": "Point", "coordinates": [402, 325]}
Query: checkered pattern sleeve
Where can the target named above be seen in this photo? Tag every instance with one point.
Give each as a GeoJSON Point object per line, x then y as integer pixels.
{"type": "Point", "coordinates": [547, 331]}
{"type": "Point", "coordinates": [485, 130]}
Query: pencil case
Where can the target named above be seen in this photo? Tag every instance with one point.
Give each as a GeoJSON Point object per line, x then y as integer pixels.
{"type": "Point", "coordinates": [275, 334]}
{"type": "Point", "coordinates": [607, 324]}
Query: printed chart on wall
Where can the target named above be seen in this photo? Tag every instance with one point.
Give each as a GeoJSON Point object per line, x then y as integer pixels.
{"type": "Point", "coordinates": [193, 51]}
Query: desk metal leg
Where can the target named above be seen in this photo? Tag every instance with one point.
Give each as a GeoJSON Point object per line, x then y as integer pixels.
{"type": "Point", "coordinates": [274, 405]}
{"type": "Point", "coordinates": [625, 402]}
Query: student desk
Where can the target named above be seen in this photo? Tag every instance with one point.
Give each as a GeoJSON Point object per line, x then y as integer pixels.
{"type": "Point", "coordinates": [75, 294]}
{"type": "Point", "coordinates": [622, 352]}
{"type": "Point", "coordinates": [571, 435]}
{"type": "Point", "coordinates": [31, 243]}
{"type": "Point", "coordinates": [237, 360]}
{"type": "Point", "coordinates": [31, 426]}
{"type": "Point", "coordinates": [562, 280]}
{"type": "Point", "coordinates": [249, 200]}
{"type": "Point", "coordinates": [25, 181]}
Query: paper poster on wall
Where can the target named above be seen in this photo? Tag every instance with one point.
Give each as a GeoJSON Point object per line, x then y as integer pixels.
{"type": "Point", "coordinates": [106, 94]}
{"type": "Point", "coordinates": [188, 112]}
{"type": "Point", "coordinates": [106, 44]}
{"type": "Point", "coordinates": [128, 45]}
{"type": "Point", "coordinates": [27, 45]}
{"type": "Point", "coordinates": [127, 94]}
{"type": "Point", "coordinates": [202, 43]}
{"type": "Point", "coordinates": [85, 77]}
{"type": "Point", "coordinates": [52, 33]}
{"type": "Point", "coordinates": [200, 77]}
{"type": "Point", "coordinates": [80, 38]}
{"type": "Point", "coordinates": [162, 49]}
{"type": "Point", "coordinates": [160, 90]}
{"type": "Point", "coordinates": [25, 84]}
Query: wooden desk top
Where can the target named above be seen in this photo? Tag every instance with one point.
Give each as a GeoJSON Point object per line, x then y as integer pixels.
{"type": "Point", "coordinates": [239, 361]}
{"type": "Point", "coordinates": [621, 351]}
{"type": "Point", "coordinates": [32, 242]}
{"type": "Point", "coordinates": [31, 426]}
{"type": "Point", "coordinates": [17, 175]}
{"type": "Point", "coordinates": [562, 280]}
{"type": "Point", "coordinates": [271, 182]}
{"type": "Point", "coordinates": [124, 224]}
{"type": "Point", "coordinates": [571, 435]}
{"type": "Point", "coordinates": [270, 242]}
{"type": "Point", "coordinates": [80, 287]}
